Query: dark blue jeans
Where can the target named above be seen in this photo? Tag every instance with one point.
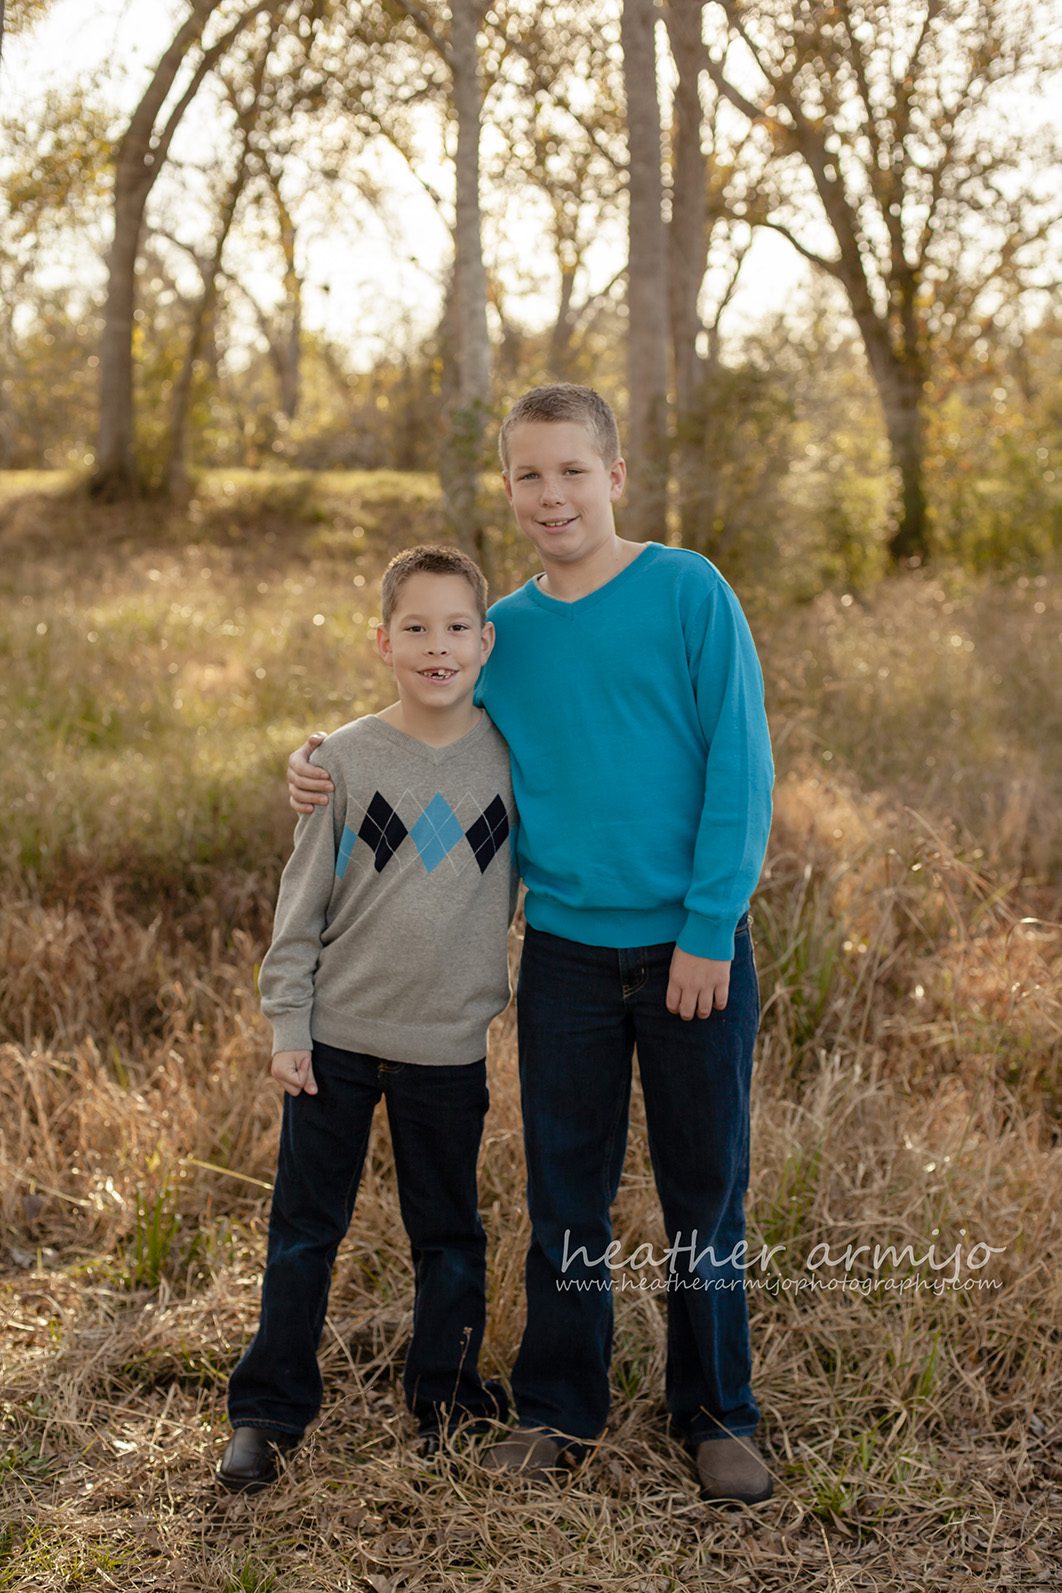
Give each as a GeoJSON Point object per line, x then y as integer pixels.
{"type": "Point", "coordinates": [436, 1118]}
{"type": "Point", "coordinates": [582, 1011]}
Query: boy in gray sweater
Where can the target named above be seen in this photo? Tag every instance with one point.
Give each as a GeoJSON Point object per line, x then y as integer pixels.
{"type": "Point", "coordinates": [388, 962]}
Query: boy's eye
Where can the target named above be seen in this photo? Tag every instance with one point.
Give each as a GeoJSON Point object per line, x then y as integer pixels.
{"type": "Point", "coordinates": [459, 625]}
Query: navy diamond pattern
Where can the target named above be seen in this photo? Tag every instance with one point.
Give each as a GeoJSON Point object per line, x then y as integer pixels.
{"type": "Point", "coordinates": [489, 832]}
{"type": "Point", "coordinates": [382, 830]}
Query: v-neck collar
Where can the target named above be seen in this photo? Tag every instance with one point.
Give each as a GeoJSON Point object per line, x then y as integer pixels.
{"type": "Point", "coordinates": [560, 605]}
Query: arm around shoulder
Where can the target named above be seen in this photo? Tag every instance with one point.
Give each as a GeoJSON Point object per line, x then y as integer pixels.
{"type": "Point", "coordinates": [309, 785]}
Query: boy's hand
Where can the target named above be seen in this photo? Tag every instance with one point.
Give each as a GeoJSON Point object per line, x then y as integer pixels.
{"type": "Point", "coordinates": [294, 1070]}
{"type": "Point", "coordinates": [696, 985]}
{"type": "Point", "coordinates": [308, 786]}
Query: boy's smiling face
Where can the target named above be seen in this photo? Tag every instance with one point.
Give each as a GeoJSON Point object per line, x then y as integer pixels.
{"type": "Point", "coordinates": [561, 489]}
{"type": "Point", "coordinates": [435, 642]}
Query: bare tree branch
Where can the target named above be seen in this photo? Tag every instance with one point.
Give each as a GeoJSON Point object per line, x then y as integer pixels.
{"type": "Point", "coordinates": [833, 266]}
{"type": "Point", "coordinates": [420, 17]}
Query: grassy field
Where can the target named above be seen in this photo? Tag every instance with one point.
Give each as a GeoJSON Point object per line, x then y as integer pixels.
{"type": "Point", "coordinates": [157, 665]}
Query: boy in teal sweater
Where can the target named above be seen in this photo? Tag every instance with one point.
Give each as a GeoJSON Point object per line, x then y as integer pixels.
{"type": "Point", "coordinates": [625, 680]}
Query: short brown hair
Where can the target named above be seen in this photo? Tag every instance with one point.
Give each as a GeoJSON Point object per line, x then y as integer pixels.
{"type": "Point", "coordinates": [430, 559]}
{"type": "Point", "coordinates": [564, 401]}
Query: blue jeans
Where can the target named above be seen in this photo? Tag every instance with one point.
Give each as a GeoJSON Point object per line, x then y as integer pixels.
{"type": "Point", "coordinates": [582, 1010]}
{"type": "Point", "coordinates": [436, 1118]}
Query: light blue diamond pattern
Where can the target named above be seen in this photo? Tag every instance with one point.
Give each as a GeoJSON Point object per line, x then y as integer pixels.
{"type": "Point", "coordinates": [347, 843]}
{"type": "Point", "coordinates": [436, 832]}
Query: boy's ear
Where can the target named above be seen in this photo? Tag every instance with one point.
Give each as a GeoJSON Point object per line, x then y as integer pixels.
{"type": "Point", "coordinates": [617, 476]}
{"type": "Point", "coordinates": [383, 644]}
{"type": "Point", "coordinates": [486, 641]}
{"type": "Point", "coordinates": [507, 484]}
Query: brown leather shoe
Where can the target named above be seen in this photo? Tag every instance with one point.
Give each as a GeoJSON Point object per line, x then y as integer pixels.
{"type": "Point", "coordinates": [251, 1458]}
{"type": "Point", "coordinates": [732, 1469]}
{"type": "Point", "coordinates": [528, 1452]}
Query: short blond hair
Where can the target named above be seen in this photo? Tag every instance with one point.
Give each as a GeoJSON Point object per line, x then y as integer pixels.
{"type": "Point", "coordinates": [564, 401]}
{"type": "Point", "coordinates": [430, 559]}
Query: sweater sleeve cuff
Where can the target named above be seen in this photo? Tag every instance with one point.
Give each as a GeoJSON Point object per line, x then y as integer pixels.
{"type": "Point", "coordinates": [291, 1031]}
{"type": "Point", "coordinates": [708, 937]}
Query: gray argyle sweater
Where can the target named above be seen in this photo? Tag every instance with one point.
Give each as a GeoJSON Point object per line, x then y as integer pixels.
{"type": "Point", "coordinates": [392, 918]}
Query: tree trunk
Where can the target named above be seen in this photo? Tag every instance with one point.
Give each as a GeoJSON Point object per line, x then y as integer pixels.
{"type": "Point", "coordinates": [560, 339]}
{"type": "Point", "coordinates": [711, 506]}
{"type": "Point", "coordinates": [288, 346]}
{"type": "Point", "coordinates": [903, 402]}
{"type": "Point", "coordinates": [115, 474]}
{"type": "Point", "coordinates": [175, 476]}
{"type": "Point", "coordinates": [462, 456]}
{"type": "Point", "coordinates": [141, 155]}
{"type": "Point", "coordinates": [687, 261]}
{"type": "Point", "coordinates": [897, 368]}
{"type": "Point", "coordinates": [137, 167]}
{"type": "Point", "coordinates": [647, 446]}
{"type": "Point", "coordinates": [291, 376]}
{"type": "Point", "coordinates": [900, 382]}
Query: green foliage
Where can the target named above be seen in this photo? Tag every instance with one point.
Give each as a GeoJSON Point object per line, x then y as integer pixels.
{"type": "Point", "coordinates": [926, 1381]}
{"type": "Point", "coordinates": [386, 418]}
{"type": "Point", "coordinates": [34, 1552]}
{"type": "Point", "coordinates": [748, 442]}
{"type": "Point", "coordinates": [49, 416]}
{"type": "Point", "coordinates": [851, 509]}
{"type": "Point", "coordinates": [25, 1463]}
{"type": "Point", "coordinates": [251, 1576]}
{"type": "Point", "coordinates": [785, 1219]}
{"type": "Point", "coordinates": [57, 164]}
{"type": "Point", "coordinates": [831, 1496]}
{"type": "Point", "coordinates": [157, 1227]}
{"type": "Point", "coordinates": [802, 939]}
{"type": "Point", "coordinates": [996, 476]}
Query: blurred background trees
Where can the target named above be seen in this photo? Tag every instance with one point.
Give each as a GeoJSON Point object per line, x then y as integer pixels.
{"type": "Point", "coordinates": [601, 183]}
{"type": "Point", "coordinates": [893, 117]}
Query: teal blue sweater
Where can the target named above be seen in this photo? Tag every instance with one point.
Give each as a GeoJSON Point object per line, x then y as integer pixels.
{"type": "Point", "coordinates": [641, 759]}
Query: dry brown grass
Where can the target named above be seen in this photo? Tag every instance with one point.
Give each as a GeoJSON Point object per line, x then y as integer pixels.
{"type": "Point", "coordinates": [907, 1083]}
